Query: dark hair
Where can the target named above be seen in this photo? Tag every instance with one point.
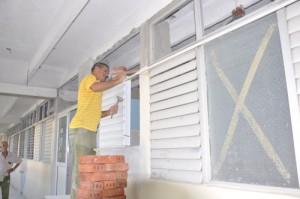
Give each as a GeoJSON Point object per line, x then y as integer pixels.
{"type": "Point", "coordinates": [99, 64]}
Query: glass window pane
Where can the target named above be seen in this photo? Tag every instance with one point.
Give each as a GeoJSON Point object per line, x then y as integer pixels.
{"type": "Point", "coordinates": [63, 101]}
{"type": "Point", "coordinates": [174, 32]}
{"type": "Point", "coordinates": [41, 113]}
{"type": "Point", "coordinates": [62, 137]}
{"type": "Point", "coordinates": [45, 109]}
{"type": "Point", "coordinates": [249, 118]}
{"type": "Point", "coordinates": [217, 14]}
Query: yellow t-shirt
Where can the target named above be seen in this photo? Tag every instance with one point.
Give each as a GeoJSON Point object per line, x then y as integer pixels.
{"type": "Point", "coordinates": [89, 106]}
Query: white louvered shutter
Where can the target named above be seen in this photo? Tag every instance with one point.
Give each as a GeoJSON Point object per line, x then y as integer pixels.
{"type": "Point", "coordinates": [11, 143]}
{"type": "Point", "coordinates": [16, 143]}
{"type": "Point", "coordinates": [30, 142]}
{"type": "Point", "coordinates": [47, 137]}
{"type": "Point", "coordinates": [175, 120]}
{"type": "Point", "coordinates": [293, 21]}
{"type": "Point", "coordinates": [37, 142]}
{"type": "Point", "coordinates": [115, 131]}
{"type": "Point", "coordinates": [22, 145]}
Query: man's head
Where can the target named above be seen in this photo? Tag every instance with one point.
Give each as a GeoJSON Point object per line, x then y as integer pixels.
{"type": "Point", "coordinates": [100, 70]}
{"type": "Point", "coordinates": [4, 146]}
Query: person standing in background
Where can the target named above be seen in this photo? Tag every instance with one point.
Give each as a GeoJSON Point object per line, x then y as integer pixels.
{"type": "Point", "coordinates": [8, 164]}
{"type": "Point", "coordinates": [83, 127]}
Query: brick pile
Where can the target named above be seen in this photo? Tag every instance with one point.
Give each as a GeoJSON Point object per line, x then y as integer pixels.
{"type": "Point", "coordinates": [102, 177]}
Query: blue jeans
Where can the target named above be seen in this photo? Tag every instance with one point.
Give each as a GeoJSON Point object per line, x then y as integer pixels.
{"type": "Point", "coordinates": [82, 142]}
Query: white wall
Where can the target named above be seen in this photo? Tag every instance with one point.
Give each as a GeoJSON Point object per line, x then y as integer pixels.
{"type": "Point", "coordinates": [35, 182]}
{"type": "Point", "coordinates": [151, 189]}
{"type": "Point", "coordinates": [34, 178]}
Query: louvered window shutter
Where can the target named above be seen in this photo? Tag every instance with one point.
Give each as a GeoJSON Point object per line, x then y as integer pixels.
{"type": "Point", "coordinates": [30, 143]}
{"type": "Point", "coordinates": [11, 143]}
{"type": "Point", "coordinates": [293, 18]}
{"type": "Point", "coordinates": [37, 141]}
{"type": "Point", "coordinates": [22, 145]}
{"type": "Point", "coordinates": [16, 143]}
{"type": "Point", "coordinates": [46, 144]}
{"type": "Point", "coordinates": [115, 131]}
{"type": "Point", "coordinates": [175, 120]}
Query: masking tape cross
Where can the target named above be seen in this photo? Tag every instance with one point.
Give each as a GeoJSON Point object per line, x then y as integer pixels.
{"type": "Point", "coordinates": [239, 99]}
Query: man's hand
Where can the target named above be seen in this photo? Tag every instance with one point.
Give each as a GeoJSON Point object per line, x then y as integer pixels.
{"type": "Point", "coordinates": [119, 76]}
{"type": "Point", "coordinates": [113, 109]}
{"type": "Point", "coordinates": [9, 170]}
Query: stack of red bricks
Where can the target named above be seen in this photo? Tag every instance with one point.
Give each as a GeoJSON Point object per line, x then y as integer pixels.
{"type": "Point", "coordinates": [102, 177]}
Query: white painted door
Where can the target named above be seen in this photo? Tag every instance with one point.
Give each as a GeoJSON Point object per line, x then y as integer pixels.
{"type": "Point", "coordinates": [63, 169]}
{"type": "Point", "coordinates": [61, 155]}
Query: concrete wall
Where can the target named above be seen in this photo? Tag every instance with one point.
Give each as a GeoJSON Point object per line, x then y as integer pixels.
{"type": "Point", "coordinates": [33, 178]}
{"type": "Point", "coordinates": [150, 189]}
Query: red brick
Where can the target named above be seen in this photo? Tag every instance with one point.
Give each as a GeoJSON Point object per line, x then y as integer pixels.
{"type": "Point", "coordinates": [103, 176]}
{"type": "Point", "coordinates": [88, 185]}
{"type": "Point", "coordinates": [82, 193]}
{"type": "Point", "coordinates": [102, 159]}
{"type": "Point", "coordinates": [102, 167]}
{"type": "Point", "coordinates": [115, 197]}
{"type": "Point", "coordinates": [91, 167]}
{"type": "Point", "coordinates": [109, 194]}
{"type": "Point", "coordinates": [77, 197]}
{"type": "Point", "coordinates": [122, 183]}
{"type": "Point", "coordinates": [114, 184]}
{"type": "Point", "coordinates": [116, 167]}
{"type": "Point", "coordinates": [98, 185]}
{"type": "Point", "coordinates": [85, 176]}
{"type": "Point", "coordinates": [113, 192]}
{"type": "Point", "coordinates": [86, 194]}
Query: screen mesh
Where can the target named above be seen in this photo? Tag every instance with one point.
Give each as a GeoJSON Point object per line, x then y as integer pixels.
{"type": "Point", "coordinates": [249, 118]}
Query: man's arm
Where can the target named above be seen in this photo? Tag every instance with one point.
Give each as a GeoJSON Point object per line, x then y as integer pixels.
{"type": "Point", "coordinates": [13, 168]}
{"type": "Point", "coordinates": [16, 166]}
{"type": "Point", "coordinates": [101, 86]}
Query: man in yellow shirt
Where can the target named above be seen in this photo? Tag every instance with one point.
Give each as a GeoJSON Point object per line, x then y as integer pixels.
{"type": "Point", "coordinates": [83, 127]}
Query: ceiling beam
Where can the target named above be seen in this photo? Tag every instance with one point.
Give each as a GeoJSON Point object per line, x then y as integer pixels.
{"type": "Point", "coordinates": [29, 91]}
{"type": "Point", "coordinates": [63, 21]}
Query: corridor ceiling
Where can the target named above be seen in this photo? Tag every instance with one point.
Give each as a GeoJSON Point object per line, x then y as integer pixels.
{"type": "Point", "coordinates": [44, 42]}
